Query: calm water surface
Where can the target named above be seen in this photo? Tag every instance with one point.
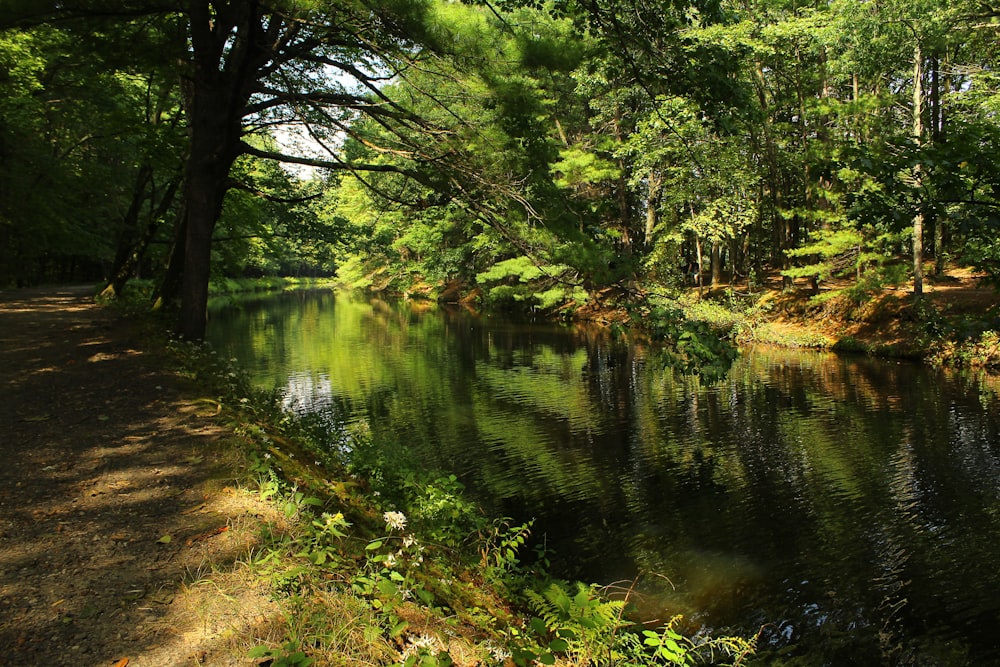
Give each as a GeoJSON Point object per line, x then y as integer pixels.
{"type": "Point", "coordinates": [850, 506]}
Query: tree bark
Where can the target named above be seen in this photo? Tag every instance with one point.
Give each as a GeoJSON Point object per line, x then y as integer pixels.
{"type": "Point", "coordinates": [716, 263]}
{"type": "Point", "coordinates": [128, 239]}
{"type": "Point", "coordinates": [137, 252]}
{"type": "Point", "coordinates": [215, 144]}
{"type": "Point", "coordinates": [918, 131]}
{"type": "Point", "coordinates": [655, 182]}
{"type": "Point", "coordinates": [168, 292]}
{"type": "Point", "coordinates": [941, 89]}
{"type": "Point", "coordinates": [231, 44]}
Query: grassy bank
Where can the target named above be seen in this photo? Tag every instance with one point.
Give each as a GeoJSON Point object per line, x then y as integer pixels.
{"type": "Point", "coordinates": [373, 563]}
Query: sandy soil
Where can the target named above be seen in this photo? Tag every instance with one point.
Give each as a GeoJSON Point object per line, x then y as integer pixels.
{"type": "Point", "coordinates": [115, 507]}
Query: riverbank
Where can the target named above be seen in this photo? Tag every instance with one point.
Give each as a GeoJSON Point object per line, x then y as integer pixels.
{"type": "Point", "coordinates": [149, 520]}
{"type": "Point", "coordinates": [156, 510]}
{"type": "Point", "coordinates": [955, 323]}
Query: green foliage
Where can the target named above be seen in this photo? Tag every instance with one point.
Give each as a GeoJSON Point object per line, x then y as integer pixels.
{"type": "Point", "coordinates": [694, 345]}
{"type": "Point", "coordinates": [500, 544]}
{"type": "Point", "coordinates": [982, 351]}
{"type": "Point", "coordinates": [834, 253]}
{"type": "Point", "coordinates": [572, 621]}
{"type": "Point", "coordinates": [522, 280]}
{"type": "Point", "coordinates": [666, 646]}
{"type": "Point", "coordinates": [289, 655]}
{"type": "Point", "coordinates": [85, 137]}
{"type": "Point", "coordinates": [579, 168]}
{"type": "Point", "coordinates": [576, 623]}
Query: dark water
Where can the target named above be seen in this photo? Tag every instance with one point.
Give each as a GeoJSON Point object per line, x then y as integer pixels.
{"type": "Point", "coordinates": [849, 506]}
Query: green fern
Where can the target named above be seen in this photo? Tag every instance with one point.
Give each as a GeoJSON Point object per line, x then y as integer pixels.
{"type": "Point", "coordinates": [580, 623]}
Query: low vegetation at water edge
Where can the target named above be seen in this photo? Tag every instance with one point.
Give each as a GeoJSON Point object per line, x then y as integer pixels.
{"type": "Point", "coordinates": [375, 562]}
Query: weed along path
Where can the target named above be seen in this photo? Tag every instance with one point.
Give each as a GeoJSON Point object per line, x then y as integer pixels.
{"type": "Point", "coordinates": [117, 517]}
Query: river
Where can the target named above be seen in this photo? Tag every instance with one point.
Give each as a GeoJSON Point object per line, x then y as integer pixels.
{"type": "Point", "coordinates": [847, 505]}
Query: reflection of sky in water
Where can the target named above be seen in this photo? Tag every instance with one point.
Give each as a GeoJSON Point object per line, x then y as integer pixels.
{"type": "Point", "coordinates": [825, 496]}
{"type": "Point", "coordinates": [306, 391]}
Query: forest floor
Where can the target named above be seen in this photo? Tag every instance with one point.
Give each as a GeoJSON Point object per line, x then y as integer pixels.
{"type": "Point", "coordinates": [888, 321]}
{"type": "Point", "coordinates": [119, 510]}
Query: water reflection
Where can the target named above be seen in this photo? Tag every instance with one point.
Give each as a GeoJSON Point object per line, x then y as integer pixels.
{"type": "Point", "coordinates": [851, 505]}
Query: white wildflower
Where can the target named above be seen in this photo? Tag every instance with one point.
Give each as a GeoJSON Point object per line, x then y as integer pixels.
{"type": "Point", "coordinates": [394, 520]}
{"type": "Point", "coordinates": [409, 541]}
{"type": "Point", "coordinates": [498, 653]}
{"type": "Point", "coordinates": [415, 645]}
{"type": "Point", "coordinates": [390, 561]}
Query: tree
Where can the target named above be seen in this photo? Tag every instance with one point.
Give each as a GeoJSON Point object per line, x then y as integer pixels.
{"type": "Point", "coordinates": [249, 67]}
{"type": "Point", "coordinates": [86, 137]}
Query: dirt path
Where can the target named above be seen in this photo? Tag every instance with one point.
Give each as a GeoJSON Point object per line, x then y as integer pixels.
{"type": "Point", "coordinates": [114, 502]}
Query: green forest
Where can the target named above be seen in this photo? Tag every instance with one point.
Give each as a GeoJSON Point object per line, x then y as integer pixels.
{"type": "Point", "coordinates": [528, 153]}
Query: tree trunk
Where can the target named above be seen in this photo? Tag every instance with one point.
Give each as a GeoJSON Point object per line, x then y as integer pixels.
{"type": "Point", "coordinates": [215, 138]}
{"type": "Point", "coordinates": [655, 181]}
{"type": "Point", "coordinates": [697, 247]}
{"type": "Point", "coordinates": [938, 136]}
{"type": "Point", "coordinates": [168, 292]}
{"type": "Point", "coordinates": [918, 131]}
{"type": "Point", "coordinates": [716, 263]}
{"type": "Point", "coordinates": [130, 266]}
{"type": "Point", "coordinates": [231, 48]}
{"type": "Point", "coordinates": [128, 238]}
{"type": "Point", "coordinates": [621, 190]}
{"type": "Point", "coordinates": [773, 180]}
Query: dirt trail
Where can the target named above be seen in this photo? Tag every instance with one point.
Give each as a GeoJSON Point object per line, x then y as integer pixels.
{"type": "Point", "coordinates": [113, 497]}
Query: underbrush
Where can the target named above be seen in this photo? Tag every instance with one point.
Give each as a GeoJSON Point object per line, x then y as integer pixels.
{"type": "Point", "coordinates": [378, 562]}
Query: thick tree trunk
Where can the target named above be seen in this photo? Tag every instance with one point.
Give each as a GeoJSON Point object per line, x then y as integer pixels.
{"type": "Point", "coordinates": [232, 41]}
{"type": "Point", "coordinates": [215, 142]}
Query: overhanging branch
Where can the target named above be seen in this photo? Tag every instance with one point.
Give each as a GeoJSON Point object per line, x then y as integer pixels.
{"type": "Point", "coordinates": [334, 164]}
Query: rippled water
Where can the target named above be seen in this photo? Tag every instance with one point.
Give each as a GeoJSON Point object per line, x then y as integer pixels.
{"type": "Point", "coordinates": [849, 506]}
